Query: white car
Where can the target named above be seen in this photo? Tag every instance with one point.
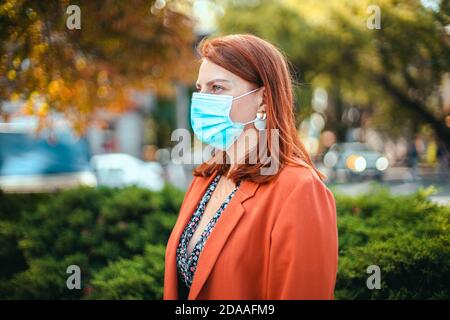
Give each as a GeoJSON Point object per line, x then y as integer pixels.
{"type": "Point", "coordinates": [120, 169]}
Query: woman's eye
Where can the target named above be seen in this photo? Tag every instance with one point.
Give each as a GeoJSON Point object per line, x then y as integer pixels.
{"type": "Point", "coordinates": [216, 88]}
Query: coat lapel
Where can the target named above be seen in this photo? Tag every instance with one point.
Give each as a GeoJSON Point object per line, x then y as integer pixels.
{"type": "Point", "coordinates": [219, 235]}
{"type": "Point", "coordinates": [186, 211]}
{"type": "Point", "coordinates": [215, 242]}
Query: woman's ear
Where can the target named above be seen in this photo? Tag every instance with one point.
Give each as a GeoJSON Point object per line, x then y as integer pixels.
{"type": "Point", "coordinates": [263, 100]}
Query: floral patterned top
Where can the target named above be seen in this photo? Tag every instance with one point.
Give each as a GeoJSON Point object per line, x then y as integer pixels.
{"type": "Point", "coordinates": [187, 264]}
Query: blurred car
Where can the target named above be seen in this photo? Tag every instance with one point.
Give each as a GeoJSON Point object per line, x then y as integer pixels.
{"type": "Point", "coordinates": [120, 170]}
{"type": "Point", "coordinates": [44, 162]}
{"type": "Point", "coordinates": [355, 160]}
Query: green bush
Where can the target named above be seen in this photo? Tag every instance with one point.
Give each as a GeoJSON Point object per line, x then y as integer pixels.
{"type": "Point", "coordinates": [140, 277]}
{"type": "Point", "coordinates": [117, 237]}
{"type": "Point", "coordinates": [88, 227]}
{"type": "Point", "coordinates": [45, 278]}
{"type": "Point", "coordinates": [408, 237]}
{"type": "Point", "coordinates": [11, 206]}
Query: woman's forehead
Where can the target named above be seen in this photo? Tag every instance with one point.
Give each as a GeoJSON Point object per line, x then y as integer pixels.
{"type": "Point", "coordinates": [210, 71]}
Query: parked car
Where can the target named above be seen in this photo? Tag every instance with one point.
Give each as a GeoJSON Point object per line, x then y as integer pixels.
{"type": "Point", "coordinates": [120, 169]}
{"type": "Point", "coordinates": [44, 162]}
{"type": "Point", "coordinates": [355, 160]}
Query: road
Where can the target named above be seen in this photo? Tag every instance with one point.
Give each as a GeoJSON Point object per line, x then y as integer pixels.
{"type": "Point", "coordinates": [399, 180]}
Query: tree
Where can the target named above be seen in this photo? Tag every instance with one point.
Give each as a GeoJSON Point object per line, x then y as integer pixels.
{"type": "Point", "coordinates": [394, 71]}
{"type": "Point", "coordinates": [120, 46]}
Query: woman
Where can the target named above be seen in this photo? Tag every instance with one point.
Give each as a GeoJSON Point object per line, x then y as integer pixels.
{"type": "Point", "coordinates": [253, 225]}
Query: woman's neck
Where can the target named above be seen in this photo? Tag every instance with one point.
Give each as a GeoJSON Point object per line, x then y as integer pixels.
{"type": "Point", "coordinates": [246, 142]}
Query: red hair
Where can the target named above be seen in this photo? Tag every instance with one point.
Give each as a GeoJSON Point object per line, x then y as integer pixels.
{"type": "Point", "coordinates": [261, 63]}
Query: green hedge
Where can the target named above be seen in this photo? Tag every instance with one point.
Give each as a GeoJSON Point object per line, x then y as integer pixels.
{"type": "Point", "coordinates": [140, 277]}
{"type": "Point", "coordinates": [94, 228]}
{"type": "Point", "coordinates": [408, 237]}
{"type": "Point", "coordinates": [117, 237]}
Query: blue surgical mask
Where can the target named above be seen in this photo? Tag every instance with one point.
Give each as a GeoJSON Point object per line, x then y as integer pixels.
{"type": "Point", "coordinates": [211, 122]}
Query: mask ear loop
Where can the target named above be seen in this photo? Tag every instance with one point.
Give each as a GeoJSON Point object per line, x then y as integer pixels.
{"type": "Point", "coordinates": [257, 117]}
{"type": "Point", "coordinates": [260, 121]}
{"type": "Point", "coordinates": [243, 95]}
{"type": "Point", "coordinates": [244, 123]}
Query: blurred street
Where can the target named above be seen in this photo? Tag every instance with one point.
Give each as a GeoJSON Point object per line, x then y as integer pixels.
{"type": "Point", "coordinates": [399, 180]}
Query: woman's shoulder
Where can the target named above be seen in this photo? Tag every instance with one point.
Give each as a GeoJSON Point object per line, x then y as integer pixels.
{"type": "Point", "coordinates": [292, 176]}
{"type": "Point", "coordinates": [300, 189]}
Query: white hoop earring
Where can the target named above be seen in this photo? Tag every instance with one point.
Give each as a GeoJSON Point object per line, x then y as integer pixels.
{"type": "Point", "coordinates": [260, 122]}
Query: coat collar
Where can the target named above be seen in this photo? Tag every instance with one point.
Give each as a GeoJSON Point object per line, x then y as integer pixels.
{"type": "Point", "coordinates": [213, 246]}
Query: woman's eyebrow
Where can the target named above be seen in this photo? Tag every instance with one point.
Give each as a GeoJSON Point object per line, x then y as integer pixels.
{"type": "Point", "coordinates": [212, 81]}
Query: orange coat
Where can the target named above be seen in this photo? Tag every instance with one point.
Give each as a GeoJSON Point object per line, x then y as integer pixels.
{"type": "Point", "coordinates": [272, 241]}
